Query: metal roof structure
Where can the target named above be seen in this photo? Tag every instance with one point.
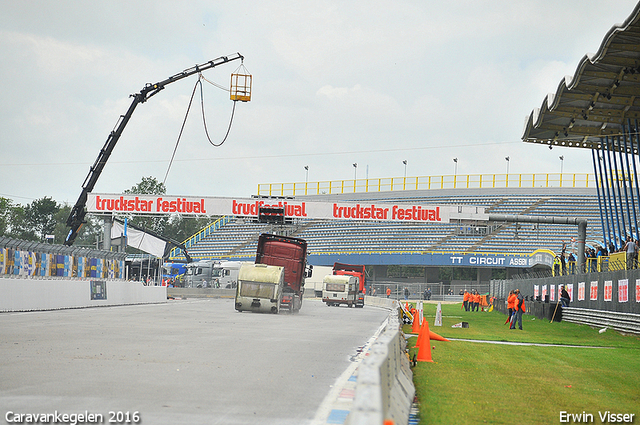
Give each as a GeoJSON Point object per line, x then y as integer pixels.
{"type": "Point", "coordinates": [601, 100]}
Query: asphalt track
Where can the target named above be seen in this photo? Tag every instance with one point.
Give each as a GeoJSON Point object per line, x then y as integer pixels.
{"type": "Point", "coordinates": [183, 362]}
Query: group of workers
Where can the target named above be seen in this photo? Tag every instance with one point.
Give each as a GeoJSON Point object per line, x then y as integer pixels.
{"type": "Point", "coordinates": [471, 300]}
{"type": "Point", "coordinates": [515, 303]}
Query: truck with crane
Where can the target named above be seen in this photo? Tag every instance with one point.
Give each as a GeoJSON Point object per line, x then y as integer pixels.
{"type": "Point", "coordinates": [78, 212]}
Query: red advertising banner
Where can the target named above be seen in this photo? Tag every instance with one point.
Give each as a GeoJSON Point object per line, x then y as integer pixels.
{"type": "Point", "coordinates": [248, 207]}
{"type": "Point", "coordinates": [544, 292]}
{"type": "Point", "coordinates": [569, 291]}
{"type": "Point", "coordinates": [623, 290]}
{"type": "Point", "coordinates": [536, 291]}
{"type": "Point", "coordinates": [608, 290]}
{"type": "Point", "coordinates": [638, 290]}
{"type": "Point", "coordinates": [581, 291]}
{"type": "Point", "coordinates": [593, 290]}
{"type": "Point", "coordinates": [552, 292]}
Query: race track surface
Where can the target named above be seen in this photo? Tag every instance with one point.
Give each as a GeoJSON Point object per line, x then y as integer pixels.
{"type": "Point", "coordinates": [183, 362]}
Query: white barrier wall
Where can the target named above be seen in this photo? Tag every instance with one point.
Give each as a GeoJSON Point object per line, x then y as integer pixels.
{"type": "Point", "coordinates": [380, 302]}
{"type": "Point", "coordinates": [385, 387]}
{"type": "Point", "coordinates": [37, 294]}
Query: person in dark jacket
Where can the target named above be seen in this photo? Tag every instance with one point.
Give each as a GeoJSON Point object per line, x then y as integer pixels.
{"type": "Point", "coordinates": [564, 297]}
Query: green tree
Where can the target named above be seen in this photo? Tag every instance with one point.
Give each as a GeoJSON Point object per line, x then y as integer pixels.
{"type": "Point", "coordinates": [149, 186]}
{"type": "Point", "coordinates": [40, 216]}
{"type": "Point", "coordinates": [19, 227]}
{"type": "Point", "coordinates": [87, 236]}
{"type": "Point", "coordinates": [5, 215]}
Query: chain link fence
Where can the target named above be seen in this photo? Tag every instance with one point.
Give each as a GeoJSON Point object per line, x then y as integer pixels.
{"type": "Point", "coordinates": [437, 291]}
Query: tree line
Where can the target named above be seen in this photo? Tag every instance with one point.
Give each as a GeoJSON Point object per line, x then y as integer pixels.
{"type": "Point", "coordinates": [44, 217]}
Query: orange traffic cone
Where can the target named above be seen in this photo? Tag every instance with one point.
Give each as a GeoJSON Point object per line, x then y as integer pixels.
{"type": "Point", "coordinates": [420, 335]}
{"type": "Point", "coordinates": [433, 335]}
{"type": "Point", "coordinates": [415, 328]}
{"type": "Point", "coordinates": [424, 352]}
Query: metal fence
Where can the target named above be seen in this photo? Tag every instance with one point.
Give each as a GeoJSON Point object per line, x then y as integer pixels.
{"type": "Point", "coordinates": [455, 181]}
{"type": "Point", "coordinates": [622, 322]}
{"type": "Point", "coordinates": [615, 291]}
{"type": "Point", "coordinates": [440, 291]}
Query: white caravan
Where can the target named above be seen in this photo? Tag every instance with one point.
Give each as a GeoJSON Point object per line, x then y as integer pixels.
{"type": "Point", "coordinates": [340, 289]}
{"type": "Point", "coordinates": [260, 288]}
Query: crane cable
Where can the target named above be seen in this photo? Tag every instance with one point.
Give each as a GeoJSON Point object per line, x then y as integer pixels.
{"type": "Point", "coordinates": [199, 82]}
{"type": "Point", "coordinates": [204, 120]}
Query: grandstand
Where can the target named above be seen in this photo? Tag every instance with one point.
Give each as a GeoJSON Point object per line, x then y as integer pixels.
{"type": "Point", "coordinates": [421, 244]}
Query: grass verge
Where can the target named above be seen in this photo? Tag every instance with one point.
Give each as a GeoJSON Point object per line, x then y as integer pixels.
{"type": "Point", "coordinates": [474, 382]}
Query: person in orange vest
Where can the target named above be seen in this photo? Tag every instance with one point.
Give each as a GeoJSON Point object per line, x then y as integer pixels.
{"type": "Point", "coordinates": [520, 309]}
{"type": "Point", "coordinates": [465, 300]}
{"type": "Point", "coordinates": [476, 301]}
{"type": "Point", "coordinates": [511, 299]}
{"type": "Point", "coordinates": [388, 292]}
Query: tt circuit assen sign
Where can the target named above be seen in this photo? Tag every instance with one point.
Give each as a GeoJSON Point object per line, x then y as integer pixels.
{"type": "Point", "coordinates": [249, 207]}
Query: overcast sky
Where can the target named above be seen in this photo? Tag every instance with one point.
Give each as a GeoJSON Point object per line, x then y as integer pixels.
{"type": "Point", "coordinates": [334, 83]}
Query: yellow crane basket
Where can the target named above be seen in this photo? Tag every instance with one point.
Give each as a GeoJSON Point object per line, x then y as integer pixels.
{"type": "Point", "coordinates": [241, 85]}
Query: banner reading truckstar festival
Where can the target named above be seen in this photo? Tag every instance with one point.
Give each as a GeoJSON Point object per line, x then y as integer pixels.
{"type": "Point", "coordinates": [249, 207]}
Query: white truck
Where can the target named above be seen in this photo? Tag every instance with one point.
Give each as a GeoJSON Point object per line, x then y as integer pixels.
{"type": "Point", "coordinates": [213, 274]}
{"type": "Point", "coordinates": [340, 289]}
{"type": "Point", "coordinates": [260, 288]}
{"type": "Point", "coordinates": [225, 274]}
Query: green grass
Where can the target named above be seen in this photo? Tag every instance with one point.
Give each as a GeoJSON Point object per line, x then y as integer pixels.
{"type": "Point", "coordinates": [471, 382]}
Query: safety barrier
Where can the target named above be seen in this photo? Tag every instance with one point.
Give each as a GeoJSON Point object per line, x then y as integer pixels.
{"type": "Point", "coordinates": [380, 302]}
{"type": "Point", "coordinates": [384, 389]}
{"type": "Point", "coordinates": [46, 294]}
{"type": "Point", "coordinates": [621, 322]}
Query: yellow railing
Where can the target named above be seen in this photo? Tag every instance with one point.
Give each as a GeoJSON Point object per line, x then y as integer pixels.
{"type": "Point", "coordinates": [388, 184]}
{"type": "Point", "coordinates": [177, 252]}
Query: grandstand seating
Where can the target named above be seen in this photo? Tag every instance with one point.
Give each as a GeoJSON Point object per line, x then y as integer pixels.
{"type": "Point", "coordinates": [238, 237]}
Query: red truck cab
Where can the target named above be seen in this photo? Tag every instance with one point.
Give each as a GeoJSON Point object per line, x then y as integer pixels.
{"type": "Point", "coordinates": [290, 253]}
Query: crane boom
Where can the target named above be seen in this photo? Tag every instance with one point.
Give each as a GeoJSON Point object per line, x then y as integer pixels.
{"type": "Point", "coordinates": [78, 212]}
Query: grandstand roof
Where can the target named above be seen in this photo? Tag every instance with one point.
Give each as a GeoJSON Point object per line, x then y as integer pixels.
{"type": "Point", "coordinates": [598, 99]}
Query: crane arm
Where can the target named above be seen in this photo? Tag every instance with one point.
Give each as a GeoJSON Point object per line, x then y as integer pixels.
{"type": "Point", "coordinates": [78, 212]}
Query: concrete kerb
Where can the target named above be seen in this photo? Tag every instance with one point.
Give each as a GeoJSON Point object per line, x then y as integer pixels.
{"type": "Point", "coordinates": [384, 388]}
